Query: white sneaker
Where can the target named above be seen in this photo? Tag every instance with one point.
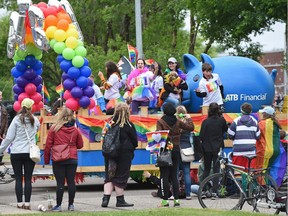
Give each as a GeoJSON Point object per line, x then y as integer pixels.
{"type": "Point", "coordinates": [171, 198]}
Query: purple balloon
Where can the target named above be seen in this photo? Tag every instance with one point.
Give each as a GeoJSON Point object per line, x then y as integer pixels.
{"type": "Point", "coordinates": [73, 72]}
{"type": "Point", "coordinates": [89, 91]}
{"type": "Point", "coordinates": [65, 65]}
{"type": "Point", "coordinates": [69, 84]}
{"type": "Point", "coordinates": [90, 83]}
{"type": "Point", "coordinates": [16, 73]}
{"type": "Point", "coordinates": [82, 82]}
{"type": "Point", "coordinates": [76, 92]}
{"type": "Point", "coordinates": [38, 65]}
{"type": "Point", "coordinates": [60, 58]}
{"type": "Point", "coordinates": [17, 89]}
{"type": "Point", "coordinates": [39, 88]}
{"type": "Point", "coordinates": [64, 76]}
{"type": "Point", "coordinates": [84, 101]}
{"type": "Point", "coordinates": [30, 60]}
{"type": "Point", "coordinates": [15, 97]}
{"type": "Point", "coordinates": [21, 66]}
{"type": "Point", "coordinates": [29, 74]}
{"type": "Point", "coordinates": [85, 71]}
{"type": "Point", "coordinates": [86, 62]}
{"type": "Point", "coordinates": [21, 82]}
{"type": "Point", "coordinates": [37, 80]}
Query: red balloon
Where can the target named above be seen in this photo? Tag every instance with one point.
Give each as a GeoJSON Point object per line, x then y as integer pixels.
{"type": "Point", "coordinates": [22, 96]}
{"type": "Point", "coordinates": [42, 4]}
{"type": "Point", "coordinates": [51, 11]}
{"type": "Point", "coordinates": [67, 95]}
{"type": "Point", "coordinates": [37, 107]}
{"type": "Point", "coordinates": [17, 106]}
{"type": "Point", "coordinates": [30, 88]}
{"type": "Point", "coordinates": [92, 103]}
{"type": "Point", "coordinates": [36, 97]}
{"type": "Point", "coordinates": [72, 104]}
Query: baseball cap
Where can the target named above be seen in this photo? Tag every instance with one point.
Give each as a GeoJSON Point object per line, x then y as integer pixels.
{"type": "Point", "coordinates": [268, 109]}
{"type": "Point", "coordinates": [27, 102]}
{"type": "Point", "coordinates": [172, 59]}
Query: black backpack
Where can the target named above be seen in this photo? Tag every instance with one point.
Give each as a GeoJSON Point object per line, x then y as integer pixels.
{"type": "Point", "coordinates": [111, 142]}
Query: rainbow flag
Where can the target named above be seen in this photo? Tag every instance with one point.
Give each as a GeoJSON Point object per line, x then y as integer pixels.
{"type": "Point", "coordinates": [91, 128]}
{"type": "Point", "coordinates": [133, 53]}
{"type": "Point", "coordinates": [45, 93]}
{"type": "Point", "coordinates": [156, 140]}
{"type": "Point", "coordinates": [60, 89]}
{"type": "Point", "coordinates": [149, 61]}
{"type": "Point", "coordinates": [270, 153]}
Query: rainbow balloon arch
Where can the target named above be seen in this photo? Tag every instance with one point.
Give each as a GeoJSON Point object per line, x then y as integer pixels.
{"type": "Point", "coordinates": [37, 28]}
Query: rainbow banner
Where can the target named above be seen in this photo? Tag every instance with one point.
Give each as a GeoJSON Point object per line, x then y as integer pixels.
{"type": "Point", "coordinates": [133, 53]}
{"type": "Point", "coordinates": [91, 128]}
{"type": "Point", "coordinates": [156, 140]}
{"type": "Point", "coordinates": [269, 151]}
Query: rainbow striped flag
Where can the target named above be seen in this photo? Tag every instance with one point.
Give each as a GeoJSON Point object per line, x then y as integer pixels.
{"type": "Point", "coordinates": [270, 153]}
{"type": "Point", "coordinates": [156, 140]}
{"type": "Point", "coordinates": [91, 128]}
{"type": "Point", "coordinates": [59, 89]}
{"type": "Point", "coordinates": [133, 53]}
{"type": "Point", "coordinates": [45, 93]}
{"type": "Point", "coordinates": [149, 61]}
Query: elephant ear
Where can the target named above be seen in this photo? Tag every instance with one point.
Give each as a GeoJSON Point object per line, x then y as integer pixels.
{"type": "Point", "coordinates": [207, 59]}
{"type": "Point", "coordinates": [190, 62]}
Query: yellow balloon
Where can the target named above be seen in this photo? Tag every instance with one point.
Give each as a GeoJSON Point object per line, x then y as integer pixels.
{"type": "Point", "coordinates": [60, 35]}
{"type": "Point", "coordinates": [50, 31]}
{"type": "Point", "coordinates": [72, 33]}
{"type": "Point", "coordinates": [72, 26]}
{"type": "Point", "coordinates": [71, 42]}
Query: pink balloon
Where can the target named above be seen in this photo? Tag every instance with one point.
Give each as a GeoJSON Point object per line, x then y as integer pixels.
{"type": "Point", "coordinates": [37, 107]}
{"type": "Point", "coordinates": [67, 95]}
{"type": "Point", "coordinates": [17, 106]}
{"type": "Point", "coordinates": [72, 104]}
{"type": "Point", "coordinates": [22, 96]}
{"type": "Point", "coordinates": [92, 103]}
{"type": "Point", "coordinates": [30, 88]}
{"type": "Point", "coordinates": [36, 97]}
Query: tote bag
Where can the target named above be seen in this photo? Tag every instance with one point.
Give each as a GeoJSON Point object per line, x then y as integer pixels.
{"type": "Point", "coordinates": [34, 149]}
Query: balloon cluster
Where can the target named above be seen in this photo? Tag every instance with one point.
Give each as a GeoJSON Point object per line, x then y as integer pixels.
{"type": "Point", "coordinates": [53, 24]}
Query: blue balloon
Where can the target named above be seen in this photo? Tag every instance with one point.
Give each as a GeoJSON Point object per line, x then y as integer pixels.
{"type": "Point", "coordinates": [37, 80]}
{"type": "Point", "coordinates": [89, 91]}
{"type": "Point", "coordinates": [65, 65]}
{"type": "Point", "coordinates": [65, 76]}
{"type": "Point", "coordinates": [84, 101]}
{"type": "Point", "coordinates": [15, 97]}
{"type": "Point", "coordinates": [16, 73]}
{"type": "Point", "coordinates": [30, 60]}
{"type": "Point", "coordinates": [85, 71]}
{"type": "Point", "coordinates": [86, 62]}
{"type": "Point", "coordinates": [60, 58]}
{"type": "Point", "coordinates": [38, 65]}
{"type": "Point", "coordinates": [82, 82]}
{"type": "Point", "coordinates": [21, 82]}
{"type": "Point", "coordinates": [73, 73]}
{"type": "Point", "coordinates": [76, 92]}
{"type": "Point", "coordinates": [39, 71]}
{"type": "Point", "coordinates": [29, 74]}
{"type": "Point", "coordinates": [69, 84]}
{"type": "Point", "coordinates": [21, 66]}
{"type": "Point", "coordinates": [17, 89]}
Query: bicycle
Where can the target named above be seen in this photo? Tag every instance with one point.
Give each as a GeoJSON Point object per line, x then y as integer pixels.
{"type": "Point", "coordinates": [6, 174]}
{"type": "Point", "coordinates": [260, 190]}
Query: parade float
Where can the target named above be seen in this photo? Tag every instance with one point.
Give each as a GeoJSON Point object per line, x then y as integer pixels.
{"type": "Point", "coordinates": [38, 28]}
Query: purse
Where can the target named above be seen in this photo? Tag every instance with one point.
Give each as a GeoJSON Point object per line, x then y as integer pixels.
{"type": "Point", "coordinates": [164, 159]}
{"type": "Point", "coordinates": [187, 154]}
{"type": "Point", "coordinates": [34, 149]}
{"type": "Point", "coordinates": [61, 152]}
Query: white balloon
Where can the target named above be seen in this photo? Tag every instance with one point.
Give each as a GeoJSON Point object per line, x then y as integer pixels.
{"type": "Point", "coordinates": [54, 3]}
{"type": "Point", "coordinates": [12, 41]}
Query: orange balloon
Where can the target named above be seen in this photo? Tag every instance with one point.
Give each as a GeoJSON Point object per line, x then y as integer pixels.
{"type": "Point", "coordinates": [29, 38]}
{"type": "Point", "coordinates": [63, 24]}
{"type": "Point", "coordinates": [65, 16]}
{"type": "Point", "coordinates": [28, 31]}
{"type": "Point", "coordinates": [50, 20]}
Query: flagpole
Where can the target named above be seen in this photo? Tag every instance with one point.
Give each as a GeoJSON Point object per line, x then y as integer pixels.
{"type": "Point", "coordinates": [43, 94]}
{"type": "Point", "coordinates": [61, 101]}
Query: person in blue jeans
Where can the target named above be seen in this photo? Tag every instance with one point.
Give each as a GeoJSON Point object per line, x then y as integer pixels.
{"type": "Point", "coordinates": [185, 142]}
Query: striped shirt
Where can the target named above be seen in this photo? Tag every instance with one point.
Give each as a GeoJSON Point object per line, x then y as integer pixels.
{"type": "Point", "coordinates": [244, 131]}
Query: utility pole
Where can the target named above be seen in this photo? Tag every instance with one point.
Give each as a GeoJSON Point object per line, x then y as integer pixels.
{"type": "Point", "coordinates": [138, 22]}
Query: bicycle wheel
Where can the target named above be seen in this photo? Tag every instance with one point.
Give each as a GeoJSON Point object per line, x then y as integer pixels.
{"type": "Point", "coordinates": [218, 192]}
{"type": "Point", "coordinates": [264, 190]}
{"type": "Point", "coordinates": [6, 179]}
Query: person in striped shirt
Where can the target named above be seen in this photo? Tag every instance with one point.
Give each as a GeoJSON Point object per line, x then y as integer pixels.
{"type": "Point", "coordinates": [244, 131]}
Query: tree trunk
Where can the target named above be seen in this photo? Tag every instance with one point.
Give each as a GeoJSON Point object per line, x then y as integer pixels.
{"type": "Point", "coordinates": [193, 34]}
{"type": "Point", "coordinates": [208, 46]}
{"type": "Point", "coordinates": [125, 28]}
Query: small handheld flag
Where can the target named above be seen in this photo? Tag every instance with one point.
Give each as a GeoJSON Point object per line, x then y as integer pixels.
{"type": "Point", "coordinates": [156, 140]}
{"type": "Point", "coordinates": [45, 93]}
{"type": "Point", "coordinates": [133, 53]}
{"type": "Point", "coordinates": [59, 89]}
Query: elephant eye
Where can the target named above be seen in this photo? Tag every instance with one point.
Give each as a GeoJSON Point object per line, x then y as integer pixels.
{"type": "Point", "coordinates": [196, 78]}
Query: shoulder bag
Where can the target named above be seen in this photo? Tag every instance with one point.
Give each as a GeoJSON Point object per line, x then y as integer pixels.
{"type": "Point", "coordinates": [34, 149]}
{"type": "Point", "coordinates": [187, 154]}
{"type": "Point", "coordinates": [61, 152]}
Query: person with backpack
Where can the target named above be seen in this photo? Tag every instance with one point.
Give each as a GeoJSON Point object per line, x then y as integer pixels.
{"type": "Point", "coordinates": [117, 165]}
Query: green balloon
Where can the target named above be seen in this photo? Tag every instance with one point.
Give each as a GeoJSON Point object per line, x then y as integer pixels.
{"type": "Point", "coordinates": [38, 57]}
{"type": "Point", "coordinates": [31, 49]}
{"type": "Point", "coordinates": [59, 47]}
{"type": "Point", "coordinates": [81, 51]}
{"type": "Point", "coordinates": [52, 43]}
{"type": "Point", "coordinates": [80, 43]}
{"type": "Point", "coordinates": [21, 53]}
{"type": "Point", "coordinates": [16, 58]}
{"type": "Point", "coordinates": [78, 61]}
{"type": "Point", "coordinates": [68, 53]}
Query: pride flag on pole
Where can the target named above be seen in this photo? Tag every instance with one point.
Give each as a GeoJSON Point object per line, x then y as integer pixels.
{"type": "Point", "coordinates": [59, 89]}
{"type": "Point", "coordinates": [133, 53]}
{"type": "Point", "coordinates": [45, 93]}
{"type": "Point", "coordinates": [156, 140]}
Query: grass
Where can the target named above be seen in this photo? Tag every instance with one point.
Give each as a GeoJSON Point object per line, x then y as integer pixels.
{"type": "Point", "coordinates": [159, 212]}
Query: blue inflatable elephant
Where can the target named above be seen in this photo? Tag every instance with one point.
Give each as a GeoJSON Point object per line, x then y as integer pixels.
{"type": "Point", "coordinates": [244, 80]}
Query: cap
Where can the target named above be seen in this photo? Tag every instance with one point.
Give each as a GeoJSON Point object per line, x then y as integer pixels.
{"type": "Point", "coordinates": [269, 110]}
{"type": "Point", "coordinates": [27, 102]}
{"type": "Point", "coordinates": [172, 59]}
